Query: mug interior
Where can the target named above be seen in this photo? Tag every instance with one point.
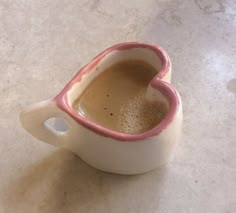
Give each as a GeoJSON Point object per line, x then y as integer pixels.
{"type": "Point", "coordinates": [158, 89]}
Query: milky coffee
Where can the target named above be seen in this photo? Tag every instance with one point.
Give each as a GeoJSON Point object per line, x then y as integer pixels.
{"type": "Point", "coordinates": [116, 99]}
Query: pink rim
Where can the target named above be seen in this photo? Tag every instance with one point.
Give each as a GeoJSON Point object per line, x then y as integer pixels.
{"type": "Point", "coordinates": [165, 88]}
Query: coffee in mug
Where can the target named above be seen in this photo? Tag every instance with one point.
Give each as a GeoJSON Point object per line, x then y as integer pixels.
{"type": "Point", "coordinates": [115, 99]}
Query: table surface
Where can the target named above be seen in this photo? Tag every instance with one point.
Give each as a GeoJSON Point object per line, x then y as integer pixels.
{"type": "Point", "coordinates": [44, 43]}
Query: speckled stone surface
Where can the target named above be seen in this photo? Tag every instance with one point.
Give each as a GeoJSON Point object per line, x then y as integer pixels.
{"type": "Point", "coordinates": [44, 43]}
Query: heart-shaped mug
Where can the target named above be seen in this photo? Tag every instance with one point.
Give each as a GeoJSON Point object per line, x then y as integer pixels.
{"type": "Point", "coordinates": [103, 148]}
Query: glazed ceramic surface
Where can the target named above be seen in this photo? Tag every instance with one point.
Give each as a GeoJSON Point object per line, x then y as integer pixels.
{"type": "Point", "coordinates": [103, 148]}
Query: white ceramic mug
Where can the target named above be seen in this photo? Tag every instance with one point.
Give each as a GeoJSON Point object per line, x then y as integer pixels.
{"type": "Point", "coordinates": [103, 148]}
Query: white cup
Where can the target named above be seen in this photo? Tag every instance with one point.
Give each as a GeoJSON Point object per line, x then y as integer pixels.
{"type": "Point", "coordinates": [101, 147]}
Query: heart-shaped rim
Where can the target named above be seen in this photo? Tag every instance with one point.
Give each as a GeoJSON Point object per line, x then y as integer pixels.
{"type": "Point", "coordinates": [165, 88]}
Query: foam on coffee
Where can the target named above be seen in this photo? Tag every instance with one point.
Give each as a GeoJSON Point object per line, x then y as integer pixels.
{"type": "Point", "coordinates": [140, 115]}
{"type": "Point", "coordinates": [116, 99]}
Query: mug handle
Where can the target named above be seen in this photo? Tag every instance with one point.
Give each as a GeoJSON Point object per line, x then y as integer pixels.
{"type": "Point", "coordinates": [33, 119]}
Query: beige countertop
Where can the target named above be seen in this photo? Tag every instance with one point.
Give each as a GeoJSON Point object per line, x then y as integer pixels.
{"type": "Point", "coordinates": [44, 43]}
